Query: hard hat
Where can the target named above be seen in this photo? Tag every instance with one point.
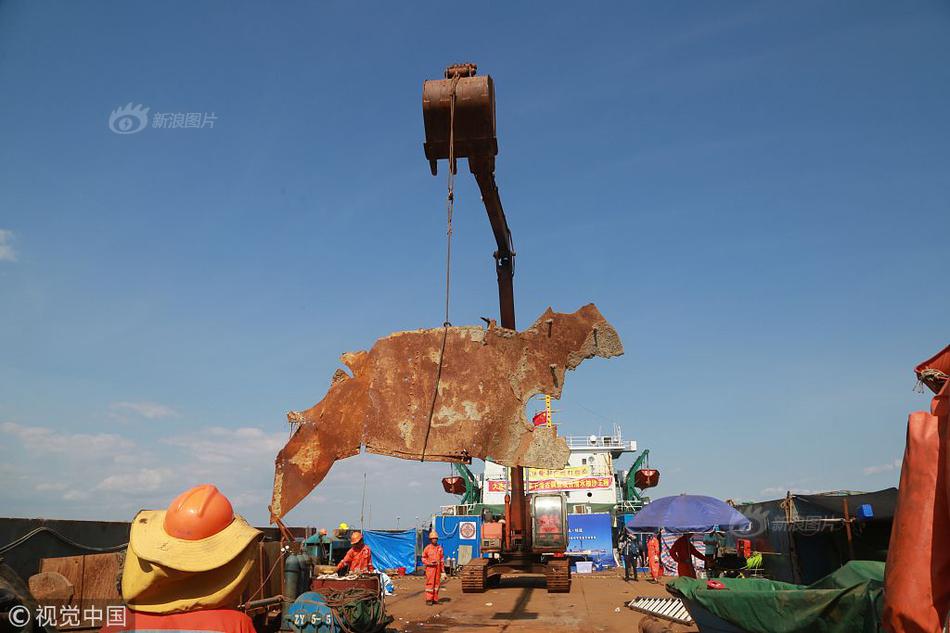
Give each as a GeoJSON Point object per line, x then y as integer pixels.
{"type": "Point", "coordinates": [356, 537]}
{"type": "Point", "coordinates": [433, 534]}
{"type": "Point", "coordinates": [343, 526]}
{"type": "Point", "coordinates": [323, 531]}
{"type": "Point", "coordinates": [198, 513]}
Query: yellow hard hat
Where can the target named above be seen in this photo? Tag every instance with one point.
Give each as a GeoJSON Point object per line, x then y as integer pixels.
{"type": "Point", "coordinates": [356, 537]}
{"type": "Point", "coordinates": [433, 534]}
{"type": "Point", "coordinates": [343, 526]}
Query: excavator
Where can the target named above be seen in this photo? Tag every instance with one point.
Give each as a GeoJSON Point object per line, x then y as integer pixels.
{"type": "Point", "coordinates": [459, 117]}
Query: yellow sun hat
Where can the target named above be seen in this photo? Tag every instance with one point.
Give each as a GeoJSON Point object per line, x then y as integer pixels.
{"type": "Point", "coordinates": [197, 554]}
{"type": "Point", "coordinates": [154, 588]}
{"type": "Point", "coordinates": [198, 532]}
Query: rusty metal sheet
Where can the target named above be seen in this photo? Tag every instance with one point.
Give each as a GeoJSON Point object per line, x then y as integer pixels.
{"type": "Point", "coordinates": [488, 375]}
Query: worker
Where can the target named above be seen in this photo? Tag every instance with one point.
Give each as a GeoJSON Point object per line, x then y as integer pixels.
{"type": "Point", "coordinates": [682, 552]}
{"type": "Point", "coordinates": [433, 558]}
{"type": "Point", "coordinates": [629, 547]}
{"type": "Point", "coordinates": [712, 541]}
{"type": "Point", "coordinates": [653, 557]}
{"type": "Point", "coordinates": [359, 560]}
{"type": "Point", "coordinates": [187, 567]}
{"type": "Point", "coordinates": [320, 546]}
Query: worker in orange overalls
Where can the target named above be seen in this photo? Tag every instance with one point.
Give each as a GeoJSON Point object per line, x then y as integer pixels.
{"type": "Point", "coordinates": [359, 560]}
{"type": "Point", "coordinates": [653, 557]}
{"type": "Point", "coordinates": [433, 558]}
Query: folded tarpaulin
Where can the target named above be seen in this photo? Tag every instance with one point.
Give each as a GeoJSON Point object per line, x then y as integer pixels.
{"type": "Point", "coordinates": [845, 601]}
{"type": "Point", "coordinates": [392, 549]}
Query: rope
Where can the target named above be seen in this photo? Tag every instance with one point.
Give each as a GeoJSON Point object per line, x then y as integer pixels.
{"type": "Point", "coordinates": [449, 208]}
{"type": "Point", "coordinates": [358, 610]}
{"type": "Point", "coordinates": [933, 378]}
{"type": "Point", "coordinates": [260, 590]}
{"type": "Point", "coordinates": [26, 537]}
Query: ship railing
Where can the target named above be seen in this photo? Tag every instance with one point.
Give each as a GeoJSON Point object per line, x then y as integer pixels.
{"type": "Point", "coordinates": [465, 509]}
{"type": "Point", "coordinates": [627, 507]}
{"type": "Point", "coordinates": [600, 441]}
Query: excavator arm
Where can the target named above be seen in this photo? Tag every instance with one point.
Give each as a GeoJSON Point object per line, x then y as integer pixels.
{"type": "Point", "coordinates": [459, 116]}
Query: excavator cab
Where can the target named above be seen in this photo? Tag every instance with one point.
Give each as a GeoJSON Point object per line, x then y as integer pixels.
{"type": "Point", "coordinates": [548, 523]}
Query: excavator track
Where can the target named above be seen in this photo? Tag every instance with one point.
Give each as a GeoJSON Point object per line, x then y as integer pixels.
{"type": "Point", "coordinates": [558, 576]}
{"type": "Point", "coordinates": [474, 576]}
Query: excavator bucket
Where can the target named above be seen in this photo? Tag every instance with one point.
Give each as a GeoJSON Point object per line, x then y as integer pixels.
{"type": "Point", "coordinates": [473, 124]}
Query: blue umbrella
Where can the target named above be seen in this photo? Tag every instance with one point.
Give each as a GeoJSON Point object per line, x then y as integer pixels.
{"type": "Point", "coordinates": [688, 513]}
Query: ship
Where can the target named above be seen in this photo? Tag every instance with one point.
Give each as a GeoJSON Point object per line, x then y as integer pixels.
{"type": "Point", "coordinates": [590, 482]}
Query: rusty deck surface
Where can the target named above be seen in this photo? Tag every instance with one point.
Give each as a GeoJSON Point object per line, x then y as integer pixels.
{"type": "Point", "coordinates": [488, 374]}
{"type": "Point", "coordinates": [521, 605]}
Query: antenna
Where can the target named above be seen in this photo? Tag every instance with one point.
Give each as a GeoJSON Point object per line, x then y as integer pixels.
{"type": "Point", "coordinates": [363, 502]}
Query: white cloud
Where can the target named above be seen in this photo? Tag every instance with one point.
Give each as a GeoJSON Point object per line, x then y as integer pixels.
{"type": "Point", "coordinates": [150, 410]}
{"type": "Point", "coordinates": [43, 439]}
{"type": "Point", "coordinates": [7, 254]}
{"type": "Point", "coordinates": [883, 468]}
{"type": "Point", "coordinates": [143, 480]}
{"type": "Point", "coordinates": [219, 445]}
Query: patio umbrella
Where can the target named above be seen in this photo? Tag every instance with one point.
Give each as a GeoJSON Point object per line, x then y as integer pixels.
{"type": "Point", "coordinates": [688, 513]}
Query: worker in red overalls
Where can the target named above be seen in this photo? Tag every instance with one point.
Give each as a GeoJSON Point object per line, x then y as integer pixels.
{"type": "Point", "coordinates": [359, 560]}
{"type": "Point", "coordinates": [682, 552]}
{"type": "Point", "coordinates": [653, 557]}
{"type": "Point", "coordinates": [433, 558]}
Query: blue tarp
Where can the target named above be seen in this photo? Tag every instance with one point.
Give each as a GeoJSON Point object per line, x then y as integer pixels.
{"type": "Point", "coordinates": [392, 549]}
{"type": "Point", "coordinates": [590, 537]}
{"type": "Point", "coordinates": [688, 513]}
{"type": "Point", "coordinates": [458, 530]}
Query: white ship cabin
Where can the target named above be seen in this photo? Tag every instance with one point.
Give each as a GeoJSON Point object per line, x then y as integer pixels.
{"type": "Point", "coordinates": [589, 480]}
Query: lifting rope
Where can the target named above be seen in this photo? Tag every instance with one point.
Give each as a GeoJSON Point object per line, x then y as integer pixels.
{"type": "Point", "coordinates": [449, 208]}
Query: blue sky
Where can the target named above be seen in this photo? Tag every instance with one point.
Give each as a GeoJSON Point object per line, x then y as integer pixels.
{"type": "Point", "coordinates": [754, 194]}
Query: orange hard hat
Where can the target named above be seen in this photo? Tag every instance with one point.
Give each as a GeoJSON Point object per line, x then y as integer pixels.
{"type": "Point", "coordinates": [356, 537]}
{"type": "Point", "coordinates": [433, 534]}
{"type": "Point", "coordinates": [323, 531]}
{"type": "Point", "coordinates": [198, 513]}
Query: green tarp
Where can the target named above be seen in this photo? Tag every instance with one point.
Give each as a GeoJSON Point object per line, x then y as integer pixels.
{"type": "Point", "coordinates": [848, 600]}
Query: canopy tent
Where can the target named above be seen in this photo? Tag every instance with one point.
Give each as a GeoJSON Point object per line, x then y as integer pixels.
{"type": "Point", "coordinates": [688, 513]}
{"type": "Point", "coordinates": [392, 548]}
{"type": "Point", "coordinates": [807, 532]}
